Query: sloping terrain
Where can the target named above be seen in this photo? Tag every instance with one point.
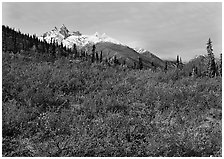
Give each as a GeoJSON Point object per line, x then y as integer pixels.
{"type": "Point", "coordinates": [125, 53]}
{"type": "Point", "coordinates": [156, 60]}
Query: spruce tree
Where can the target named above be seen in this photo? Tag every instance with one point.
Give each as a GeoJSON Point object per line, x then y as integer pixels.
{"type": "Point", "coordinates": [180, 63]}
{"type": "Point", "coordinates": [106, 61]}
{"type": "Point", "coordinates": [211, 71]}
{"type": "Point", "coordinates": [220, 65]}
{"type": "Point", "coordinates": [134, 67]}
{"type": "Point", "coordinates": [74, 51]}
{"type": "Point", "coordinates": [47, 46]}
{"type": "Point", "coordinates": [97, 57]}
{"type": "Point", "coordinates": [101, 56]}
{"type": "Point", "coordinates": [83, 54]}
{"type": "Point", "coordinates": [94, 49]}
{"type": "Point", "coordinates": [115, 60]}
{"type": "Point", "coordinates": [140, 64]}
{"type": "Point", "coordinates": [153, 66]}
{"type": "Point", "coordinates": [53, 49]}
{"type": "Point", "coordinates": [93, 53]}
{"type": "Point", "coordinates": [166, 66]}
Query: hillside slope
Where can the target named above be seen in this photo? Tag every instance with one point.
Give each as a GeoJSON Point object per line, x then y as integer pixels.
{"type": "Point", "coordinates": [156, 60]}
{"type": "Point", "coordinates": [125, 53]}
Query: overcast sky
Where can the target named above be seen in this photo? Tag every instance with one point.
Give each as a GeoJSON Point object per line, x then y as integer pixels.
{"type": "Point", "coordinates": [166, 29]}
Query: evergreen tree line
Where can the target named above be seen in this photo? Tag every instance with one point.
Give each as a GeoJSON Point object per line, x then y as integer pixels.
{"type": "Point", "coordinates": [16, 42]}
{"type": "Point", "coordinates": [178, 63]}
{"type": "Point", "coordinates": [213, 68]}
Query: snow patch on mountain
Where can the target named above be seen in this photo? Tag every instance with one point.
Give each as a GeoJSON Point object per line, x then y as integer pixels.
{"type": "Point", "coordinates": [140, 50]}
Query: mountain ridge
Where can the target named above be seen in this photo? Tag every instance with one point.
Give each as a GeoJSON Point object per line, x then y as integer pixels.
{"type": "Point", "coordinates": [103, 41]}
{"type": "Point", "coordinates": [68, 38]}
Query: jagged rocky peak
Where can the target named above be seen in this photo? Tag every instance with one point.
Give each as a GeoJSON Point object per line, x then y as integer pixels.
{"type": "Point", "coordinates": [64, 31]}
{"type": "Point", "coordinates": [63, 27]}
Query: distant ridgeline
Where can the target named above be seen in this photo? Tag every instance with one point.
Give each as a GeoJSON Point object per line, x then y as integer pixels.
{"type": "Point", "coordinates": [13, 41]}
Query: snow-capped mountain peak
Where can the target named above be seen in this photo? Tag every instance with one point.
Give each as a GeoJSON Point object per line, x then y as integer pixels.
{"type": "Point", "coordinates": [69, 38]}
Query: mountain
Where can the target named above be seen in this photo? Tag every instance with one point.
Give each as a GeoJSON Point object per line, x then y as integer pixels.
{"type": "Point", "coordinates": [123, 52]}
{"type": "Point", "coordinates": [63, 35]}
{"type": "Point", "coordinates": [84, 40]}
{"type": "Point", "coordinates": [109, 46]}
{"type": "Point", "coordinates": [153, 58]}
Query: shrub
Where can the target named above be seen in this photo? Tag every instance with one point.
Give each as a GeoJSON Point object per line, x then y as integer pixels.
{"type": "Point", "coordinates": [67, 108]}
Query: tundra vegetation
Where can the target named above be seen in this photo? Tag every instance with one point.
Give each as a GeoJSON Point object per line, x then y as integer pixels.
{"type": "Point", "coordinates": [85, 106]}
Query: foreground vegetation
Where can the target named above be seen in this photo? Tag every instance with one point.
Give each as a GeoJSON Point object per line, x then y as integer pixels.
{"type": "Point", "coordinates": [77, 108]}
